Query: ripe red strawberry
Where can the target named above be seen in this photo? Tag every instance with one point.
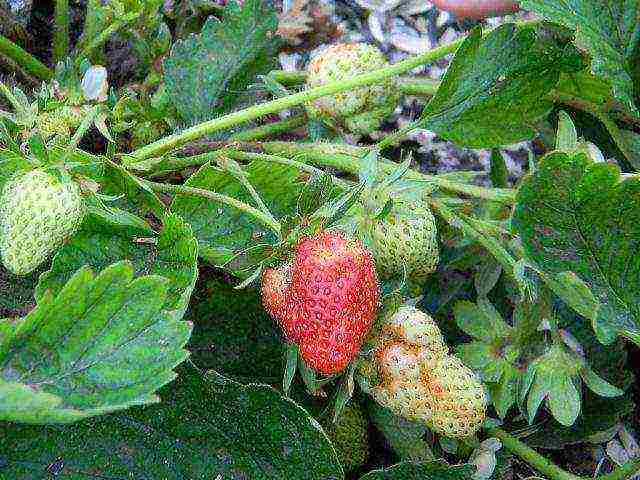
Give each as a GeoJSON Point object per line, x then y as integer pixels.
{"type": "Point", "coordinates": [325, 300]}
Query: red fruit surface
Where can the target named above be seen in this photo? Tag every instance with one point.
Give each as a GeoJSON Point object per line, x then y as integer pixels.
{"type": "Point", "coordinates": [327, 301]}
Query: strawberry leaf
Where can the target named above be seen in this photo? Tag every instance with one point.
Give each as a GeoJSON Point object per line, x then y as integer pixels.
{"type": "Point", "coordinates": [172, 254]}
{"type": "Point", "coordinates": [207, 427]}
{"type": "Point", "coordinates": [495, 88]}
{"type": "Point", "coordinates": [223, 231]}
{"type": "Point", "coordinates": [435, 470]}
{"type": "Point", "coordinates": [404, 437]}
{"type": "Point", "coordinates": [102, 343]}
{"type": "Point", "coordinates": [578, 216]}
{"type": "Point", "coordinates": [234, 334]}
{"type": "Point", "coordinates": [607, 29]}
{"type": "Point", "coordinates": [205, 73]}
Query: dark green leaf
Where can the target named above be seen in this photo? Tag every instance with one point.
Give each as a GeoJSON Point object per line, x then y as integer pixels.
{"type": "Point", "coordinates": [102, 343]}
{"type": "Point", "coordinates": [576, 215]}
{"type": "Point", "coordinates": [495, 88]}
{"type": "Point", "coordinates": [498, 173]}
{"type": "Point", "coordinates": [607, 29]}
{"type": "Point", "coordinates": [422, 471]}
{"type": "Point", "coordinates": [404, 437]}
{"type": "Point", "coordinates": [207, 72]}
{"type": "Point", "coordinates": [233, 334]}
{"type": "Point", "coordinates": [204, 429]}
{"type": "Point", "coordinates": [16, 293]}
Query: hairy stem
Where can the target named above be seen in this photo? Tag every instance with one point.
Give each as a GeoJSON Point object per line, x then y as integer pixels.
{"type": "Point", "coordinates": [263, 218]}
{"type": "Point", "coordinates": [61, 31]}
{"type": "Point", "coordinates": [550, 469]}
{"type": "Point", "coordinates": [270, 129]}
{"type": "Point", "coordinates": [347, 158]}
{"type": "Point", "coordinates": [104, 35]}
{"type": "Point", "coordinates": [174, 141]}
{"type": "Point", "coordinates": [24, 60]}
{"type": "Point", "coordinates": [408, 85]}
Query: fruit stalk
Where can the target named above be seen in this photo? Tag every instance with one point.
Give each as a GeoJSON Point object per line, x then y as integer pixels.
{"type": "Point", "coordinates": [61, 31]}
{"type": "Point", "coordinates": [25, 60]}
{"type": "Point", "coordinates": [550, 469]}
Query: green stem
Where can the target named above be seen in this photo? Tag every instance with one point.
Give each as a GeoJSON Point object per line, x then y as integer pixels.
{"type": "Point", "coordinates": [419, 87]}
{"type": "Point", "coordinates": [270, 129]}
{"type": "Point", "coordinates": [408, 85]}
{"type": "Point", "coordinates": [104, 35]}
{"type": "Point", "coordinates": [551, 470]}
{"type": "Point", "coordinates": [216, 197]}
{"type": "Point", "coordinates": [25, 60]}
{"type": "Point", "coordinates": [347, 158]}
{"type": "Point", "coordinates": [61, 31]}
{"type": "Point", "coordinates": [206, 128]}
{"type": "Point", "coordinates": [248, 156]}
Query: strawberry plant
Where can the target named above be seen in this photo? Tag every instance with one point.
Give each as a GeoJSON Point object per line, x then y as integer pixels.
{"type": "Point", "coordinates": [212, 268]}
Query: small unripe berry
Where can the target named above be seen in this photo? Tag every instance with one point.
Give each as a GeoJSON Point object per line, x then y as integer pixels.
{"type": "Point", "coordinates": [360, 110]}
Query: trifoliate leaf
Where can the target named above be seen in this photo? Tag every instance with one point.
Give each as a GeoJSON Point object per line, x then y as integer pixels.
{"type": "Point", "coordinates": [607, 29]}
{"type": "Point", "coordinates": [205, 73]}
{"type": "Point", "coordinates": [495, 88]}
{"type": "Point", "coordinates": [102, 343]}
{"type": "Point", "coordinates": [224, 231]}
{"type": "Point", "coordinates": [421, 471]}
{"type": "Point", "coordinates": [205, 428]}
{"type": "Point", "coordinates": [576, 215]}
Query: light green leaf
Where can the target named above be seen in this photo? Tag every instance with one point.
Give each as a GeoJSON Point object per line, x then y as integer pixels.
{"type": "Point", "coordinates": [102, 343]}
{"type": "Point", "coordinates": [567, 136]}
{"type": "Point", "coordinates": [206, 73]}
{"type": "Point", "coordinates": [576, 215]}
{"type": "Point", "coordinates": [564, 400]}
{"type": "Point", "coordinates": [575, 293]}
{"type": "Point", "coordinates": [495, 88]}
{"type": "Point", "coordinates": [205, 428]}
{"type": "Point", "coordinates": [481, 321]}
{"type": "Point", "coordinates": [598, 385]}
{"type": "Point", "coordinates": [608, 29]}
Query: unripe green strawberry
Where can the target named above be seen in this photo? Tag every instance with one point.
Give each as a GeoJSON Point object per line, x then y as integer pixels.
{"type": "Point", "coordinates": [50, 124]}
{"type": "Point", "coordinates": [325, 299]}
{"type": "Point", "coordinates": [361, 110]}
{"type": "Point", "coordinates": [458, 399]}
{"type": "Point", "coordinates": [350, 437]}
{"type": "Point", "coordinates": [405, 240]}
{"type": "Point", "coordinates": [37, 213]}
